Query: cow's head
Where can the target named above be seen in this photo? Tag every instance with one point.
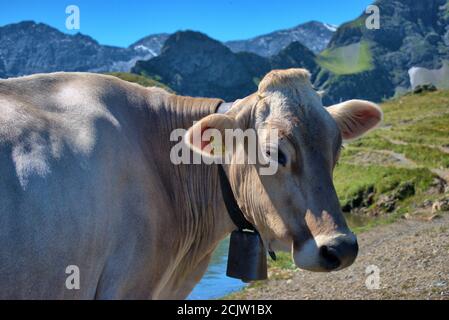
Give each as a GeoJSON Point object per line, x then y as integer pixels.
{"type": "Point", "coordinates": [296, 208]}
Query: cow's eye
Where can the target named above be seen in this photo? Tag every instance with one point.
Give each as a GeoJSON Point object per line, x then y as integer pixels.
{"type": "Point", "coordinates": [282, 159]}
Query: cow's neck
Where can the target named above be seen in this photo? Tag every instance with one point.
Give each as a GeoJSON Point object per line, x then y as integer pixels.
{"type": "Point", "coordinates": [200, 211]}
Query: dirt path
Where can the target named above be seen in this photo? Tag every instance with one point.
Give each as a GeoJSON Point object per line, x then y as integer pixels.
{"type": "Point", "coordinates": [412, 258]}
{"type": "Point", "coordinates": [398, 159]}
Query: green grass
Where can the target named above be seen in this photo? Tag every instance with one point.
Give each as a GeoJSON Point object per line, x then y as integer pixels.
{"type": "Point", "coordinates": [283, 261]}
{"type": "Point", "coordinates": [351, 59]}
{"type": "Point", "coordinates": [415, 126]}
{"type": "Point", "coordinates": [139, 79]}
{"type": "Point", "coordinates": [420, 154]}
{"type": "Point", "coordinates": [350, 179]}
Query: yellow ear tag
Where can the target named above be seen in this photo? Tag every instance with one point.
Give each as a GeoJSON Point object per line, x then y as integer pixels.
{"type": "Point", "coordinates": [218, 147]}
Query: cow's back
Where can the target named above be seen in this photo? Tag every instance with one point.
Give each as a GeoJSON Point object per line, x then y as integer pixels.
{"type": "Point", "coordinates": [71, 166]}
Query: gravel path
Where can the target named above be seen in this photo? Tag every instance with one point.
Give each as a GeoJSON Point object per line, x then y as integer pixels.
{"type": "Point", "coordinates": [412, 258]}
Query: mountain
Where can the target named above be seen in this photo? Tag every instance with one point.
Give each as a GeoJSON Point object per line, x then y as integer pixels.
{"type": "Point", "coordinates": [28, 47]}
{"type": "Point", "coordinates": [151, 44]}
{"type": "Point", "coordinates": [375, 63]}
{"type": "Point", "coordinates": [314, 35]}
{"type": "Point", "coordinates": [193, 64]}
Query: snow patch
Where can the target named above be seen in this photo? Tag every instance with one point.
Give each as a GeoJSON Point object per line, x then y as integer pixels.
{"type": "Point", "coordinates": [330, 27]}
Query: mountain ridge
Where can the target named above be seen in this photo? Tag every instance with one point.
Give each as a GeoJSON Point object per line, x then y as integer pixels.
{"type": "Point", "coordinates": [313, 34]}
{"type": "Point", "coordinates": [29, 47]}
{"type": "Point", "coordinates": [192, 63]}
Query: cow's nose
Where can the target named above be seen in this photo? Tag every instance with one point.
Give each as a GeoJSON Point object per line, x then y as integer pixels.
{"type": "Point", "coordinates": [338, 254]}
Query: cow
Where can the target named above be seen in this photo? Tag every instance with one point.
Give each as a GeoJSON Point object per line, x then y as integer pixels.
{"type": "Point", "coordinates": [88, 191]}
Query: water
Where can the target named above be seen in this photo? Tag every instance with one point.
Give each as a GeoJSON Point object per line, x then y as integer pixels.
{"type": "Point", "coordinates": [215, 284]}
{"type": "Point", "coordinates": [358, 220]}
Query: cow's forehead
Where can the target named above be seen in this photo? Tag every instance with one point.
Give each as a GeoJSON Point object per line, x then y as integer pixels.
{"type": "Point", "coordinates": [287, 93]}
{"type": "Point", "coordinates": [302, 118]}
{"type": "Point", "coordinates": [288, 101]}
{"type": "Point", "coordinates": [282, 108]}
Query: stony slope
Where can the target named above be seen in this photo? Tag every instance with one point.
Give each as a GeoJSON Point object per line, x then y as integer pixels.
{"type": "Point", "coordinates": [314, 35]}
{"type": "Point", "coordinates": [412, 34]}
{"type": "Point", "coordinates": [28, 47]}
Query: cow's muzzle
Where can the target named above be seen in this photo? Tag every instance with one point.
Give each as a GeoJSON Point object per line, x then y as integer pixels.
{"type": "Point", "coordinates": [326, 253]}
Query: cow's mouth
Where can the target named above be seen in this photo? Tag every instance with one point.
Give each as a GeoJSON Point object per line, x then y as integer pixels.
{"type": "Point", "coordinates": [326, 253]}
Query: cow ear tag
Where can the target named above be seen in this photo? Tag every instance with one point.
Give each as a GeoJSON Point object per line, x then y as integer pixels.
{"type": "Point", "coordinates": [247, 258]}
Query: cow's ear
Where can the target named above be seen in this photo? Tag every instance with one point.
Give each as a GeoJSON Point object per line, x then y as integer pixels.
{"type": "Point", "coordinates": [207, 136]}
{"type": "Point", "coordinates": [355, 117]}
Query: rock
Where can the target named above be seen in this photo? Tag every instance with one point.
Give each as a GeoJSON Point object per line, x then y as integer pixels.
{"type": "Point", "coordinates": [440, 205]}
{"type": "Point", "coordinates": [387, 203]}
{"type": "Point", "coordinates": [438, 186]}
{"type": "Point", "coordinates": [433, 217]}
{"type": "Point", "coordinates": [405, 190]}
{"type": "Point", "coordinates": [427, 203]}
{"type": "Point", "coordinates": [364, 198]}
{"type": "Point", "coordinates": [440, 283]}
{"type": "Point", "coordinates": [424, 88]}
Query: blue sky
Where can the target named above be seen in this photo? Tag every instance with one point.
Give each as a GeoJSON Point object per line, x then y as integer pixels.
{"type": "Point", "coordinates": [122, 22]}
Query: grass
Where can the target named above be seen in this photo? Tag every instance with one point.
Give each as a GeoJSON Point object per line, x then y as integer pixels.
{"type": "Point", "coordinates": [351, 59]}
{"type": "Point", "coordinates": [350, 179]}
{"type": "Point", "coordinates": [415, 126]}
{"type": "Point", "coordinates": [139, 79]}
{"type": "Point", "coordinates": [421, 154]}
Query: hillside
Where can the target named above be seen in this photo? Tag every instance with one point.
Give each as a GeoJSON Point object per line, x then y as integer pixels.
{"type": "Point", "coordinates": [412, 34]}
{"type": "Point", "coordinates": [394, 186]}
{"type": "Point", "coordinates": [402, 166]}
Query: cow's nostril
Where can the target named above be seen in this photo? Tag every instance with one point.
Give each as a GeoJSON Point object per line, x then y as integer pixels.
{"type": "Point", "coordinates": [330, 257]}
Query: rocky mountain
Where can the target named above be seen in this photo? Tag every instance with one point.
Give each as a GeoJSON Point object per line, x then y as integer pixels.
{"type": "Point", "coordinates": [151, 44]}
{"type": "Point", "coordinates": [191, 63]}
{"type": "Point", "coordinates": [375, 63]}
{"type": "Point", "coordinates": [28, 47]}
{"type": "Point", "coordinates": [314, 35]}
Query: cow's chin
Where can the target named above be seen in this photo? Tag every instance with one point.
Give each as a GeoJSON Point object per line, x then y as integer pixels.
{"type": "Point", "coordinates": [307, 256]}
